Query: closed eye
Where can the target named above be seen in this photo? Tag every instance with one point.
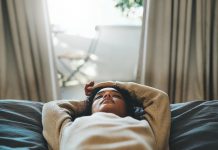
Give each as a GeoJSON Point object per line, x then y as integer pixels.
{"type": "Point", "coordinates": [97, 97]}
{"type": "Point", "coordinates": [117, 96]}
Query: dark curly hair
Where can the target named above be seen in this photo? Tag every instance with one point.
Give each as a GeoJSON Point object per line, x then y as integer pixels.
{"type": "Point", "coordinates": [130, 102]}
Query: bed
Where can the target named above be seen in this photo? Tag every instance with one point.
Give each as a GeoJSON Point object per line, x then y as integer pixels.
{"type": "Point", "coordinates": [194, 125]}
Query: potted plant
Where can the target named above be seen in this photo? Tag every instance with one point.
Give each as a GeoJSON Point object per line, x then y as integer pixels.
{"type": "Point", "coordinates": [130, 7]}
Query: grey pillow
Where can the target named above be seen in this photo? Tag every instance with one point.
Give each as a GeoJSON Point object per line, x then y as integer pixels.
{"type": "Point", "coordinates": [20, 125]}
{"type": "Point", "coordinates": [194, 126]}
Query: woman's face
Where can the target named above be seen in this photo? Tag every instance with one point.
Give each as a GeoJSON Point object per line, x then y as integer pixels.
{"type": "Point", "coordinates": [109, 100]}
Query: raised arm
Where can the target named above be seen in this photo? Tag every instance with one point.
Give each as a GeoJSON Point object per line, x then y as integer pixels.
{"type": "Point", "coordinates": [56, 115]}
{"type": "Point", "coordinates": [156, 106]}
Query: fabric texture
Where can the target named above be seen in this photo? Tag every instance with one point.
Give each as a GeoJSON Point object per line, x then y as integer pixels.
{"type": "Point", "coordinates": [194, 126]}
{"type": "Point", "coordinates": [27, 69]}
{"type": "Point", "coordinates": [107, 131]}
{"type": "Point", "coordinates": [155, 104]}
{"type": "Point", "coordinates": [20, 125]}
{"type": "Point", "coordinates": [179, 48]}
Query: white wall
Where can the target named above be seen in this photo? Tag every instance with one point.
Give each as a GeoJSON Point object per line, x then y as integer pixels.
{"type": "Point", "coordinates": [117, 50]}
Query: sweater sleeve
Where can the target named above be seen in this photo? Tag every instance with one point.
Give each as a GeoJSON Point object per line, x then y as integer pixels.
{"type": "Point", "coordinates": [156, 106]}
{"type": "Point", "coordinates": [56, 115]}
{"type": "Point", "coordinates": [157, 110]}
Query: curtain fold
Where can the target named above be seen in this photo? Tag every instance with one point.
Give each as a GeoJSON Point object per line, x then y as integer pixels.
{"type": "Point", "coordinates": [27, 69]}
{"type": "Point", "coordinates": [179, 48]}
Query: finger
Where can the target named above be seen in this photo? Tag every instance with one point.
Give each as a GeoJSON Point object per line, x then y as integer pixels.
{"type": "Point", "coordinates": [91, 83]}
{"type": "Point", "coordinates": [88, 88]}
{"type": "Point", "coordinates": [88, 85]}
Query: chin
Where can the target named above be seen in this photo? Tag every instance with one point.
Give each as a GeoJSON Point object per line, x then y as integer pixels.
{"type": "Point", "coordinates": [107, 109]}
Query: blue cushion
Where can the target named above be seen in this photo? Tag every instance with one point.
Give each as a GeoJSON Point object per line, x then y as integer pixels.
{"type": "Point", "coordinates": [20, 125]}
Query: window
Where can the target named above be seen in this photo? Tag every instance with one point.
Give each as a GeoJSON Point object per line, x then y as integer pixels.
{"type": "Point", "coordinates": [94, 40]}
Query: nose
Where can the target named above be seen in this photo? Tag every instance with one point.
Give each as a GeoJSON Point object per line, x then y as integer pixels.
{"type": "Point", "coordinates": [107, 95]}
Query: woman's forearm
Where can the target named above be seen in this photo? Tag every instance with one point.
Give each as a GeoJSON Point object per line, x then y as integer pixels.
{"type": "Point", "coordinates": [57, 114]}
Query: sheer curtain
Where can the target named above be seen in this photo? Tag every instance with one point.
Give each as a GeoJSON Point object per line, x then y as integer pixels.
{"type": "Point", "coordinates": [179, 48]}
{"type": "Point", "coordinates": [27, 69]}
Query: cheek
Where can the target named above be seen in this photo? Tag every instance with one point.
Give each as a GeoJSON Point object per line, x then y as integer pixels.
{"type": "Point", "coordinates": [95, 106]}
{"type": "Point", "coordinates": [121, 104]}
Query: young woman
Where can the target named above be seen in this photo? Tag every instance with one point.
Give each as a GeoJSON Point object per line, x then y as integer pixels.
{"type": "Point", "coordinates": [106, 120]}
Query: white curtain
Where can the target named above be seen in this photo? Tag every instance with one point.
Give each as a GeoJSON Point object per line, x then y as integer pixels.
{"type": "Point", "coordinates": [27, 69]}
{"type": "Point", "coordinates": [179, 48]}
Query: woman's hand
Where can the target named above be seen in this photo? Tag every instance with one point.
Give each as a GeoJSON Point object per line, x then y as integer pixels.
{"type": "Point", "coordinates": [88, 88]}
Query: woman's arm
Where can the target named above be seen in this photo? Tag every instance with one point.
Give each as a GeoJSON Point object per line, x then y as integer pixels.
{"type": "Point", "coordinates": [56, 115]}
{"type": "Point", "coordinates": [156, 106]}
{"type": "Point", "coordinates": [157, 110]}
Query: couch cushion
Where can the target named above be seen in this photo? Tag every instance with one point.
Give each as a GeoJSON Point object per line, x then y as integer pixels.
{"type": "Point", "coordinates": [194, 126]}
{"type": "Point", "coordinates": [20, 125]}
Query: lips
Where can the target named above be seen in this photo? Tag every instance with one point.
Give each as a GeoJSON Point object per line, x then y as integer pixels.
{"type": "Point", "coordinates": [105, 101]}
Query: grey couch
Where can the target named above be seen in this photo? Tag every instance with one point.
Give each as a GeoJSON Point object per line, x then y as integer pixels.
{"type": "Point", "coordinates": [194, 125]}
